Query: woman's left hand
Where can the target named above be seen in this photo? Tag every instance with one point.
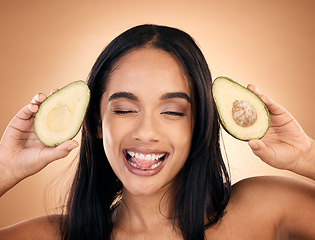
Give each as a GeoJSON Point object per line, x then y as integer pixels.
{"type": "Point", "coordinates": [286, 145]}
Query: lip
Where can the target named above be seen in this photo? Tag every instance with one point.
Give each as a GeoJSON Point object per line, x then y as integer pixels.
{"type": "Point", "coordinates": [141, 172]}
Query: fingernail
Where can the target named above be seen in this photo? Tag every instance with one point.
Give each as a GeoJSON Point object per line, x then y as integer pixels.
{"type": "Point", "coordinates": [40, 97]}
{"type": "Point", "coordinates": [254, 146]}
{"type": "Point", "coordinates": [33, 108]}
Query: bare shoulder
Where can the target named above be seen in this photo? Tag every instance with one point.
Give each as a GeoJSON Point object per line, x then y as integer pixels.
{"type": "Point", "coordinates": [45, 227]}
{"type": "Point", "coordinates": [281, 197]}
{"type": "Point", "coordinates": [270, 189]}
{"type": "Point", "coordinates": [268, 208]}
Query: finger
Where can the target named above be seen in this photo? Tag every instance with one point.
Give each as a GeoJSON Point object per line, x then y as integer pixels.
{"type": "Point", "coordinates": [262, 151]}
{"type": "Point", "coordinates": [27, 112]}
{"type": "Point", "coordinates": [65, 148]}
{"type": "Point", "coordinates": [60, 151]}
{"type": "Point", "coordinates": [38, 98]}
{"type": "Point", "coordinates": [273, 107]}
{"type": "Point", "coordinates": [254, 89]}
{"type": "Point", "coordinates": [53, 91]}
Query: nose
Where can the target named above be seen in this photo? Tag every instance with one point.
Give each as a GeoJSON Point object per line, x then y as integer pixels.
{"type": "Point", "coordinates": [147, 129]}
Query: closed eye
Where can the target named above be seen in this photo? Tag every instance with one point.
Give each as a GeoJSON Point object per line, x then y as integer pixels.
{"type": "Point", "coordinates": [121, 112]}
{"type": "Point", "coordinates": [174, 113]}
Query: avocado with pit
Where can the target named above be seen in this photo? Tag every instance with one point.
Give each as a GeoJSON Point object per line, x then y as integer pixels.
{"type": "Point", "coordinates": [59, 118]}
{"type": "Point", "coordinates": [242, 113]}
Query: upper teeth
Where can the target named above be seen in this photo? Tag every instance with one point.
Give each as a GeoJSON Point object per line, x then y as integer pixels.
{"type": "Point", "coordinates": [147, 157]}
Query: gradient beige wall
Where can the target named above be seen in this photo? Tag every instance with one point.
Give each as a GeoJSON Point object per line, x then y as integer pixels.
{"type": "Point", "coordinates": [47, 44]}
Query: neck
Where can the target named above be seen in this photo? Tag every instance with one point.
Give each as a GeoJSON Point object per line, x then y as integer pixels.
{"type": "Point", "coordinates": [146, 214]}
{"type": "Point", "coordinates": [146, 208]}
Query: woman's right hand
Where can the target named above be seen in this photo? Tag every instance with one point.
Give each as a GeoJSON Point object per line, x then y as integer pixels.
{"type": "Point", "coordinates": [21, 153]}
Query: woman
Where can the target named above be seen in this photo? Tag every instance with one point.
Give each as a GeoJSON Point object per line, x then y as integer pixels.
{"type": "Point", "coordinates": [150, 164]}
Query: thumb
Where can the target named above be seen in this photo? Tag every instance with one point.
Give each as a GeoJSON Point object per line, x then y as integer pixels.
{"type": "Point", "coordinates": [60, 151]}
{"type": "Point", "coordinates": [262, 151]}
{"type": "Point", "coordinates": [65, 148]}
{"type": "Point", "coordinates": [47, 156]}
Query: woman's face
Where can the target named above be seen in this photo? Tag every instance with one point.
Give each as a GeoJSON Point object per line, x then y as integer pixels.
{"type": "Point", "coordinates": [147, 120]}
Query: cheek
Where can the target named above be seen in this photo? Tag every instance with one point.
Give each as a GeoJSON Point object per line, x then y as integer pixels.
{"type": "Point", "coordinates": [113, 133]}
{"type": "Point", "coordinates": [180, 137]}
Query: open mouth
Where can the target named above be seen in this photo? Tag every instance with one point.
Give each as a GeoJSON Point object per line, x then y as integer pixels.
{"type": "Point", "coordinates": [145, 162]}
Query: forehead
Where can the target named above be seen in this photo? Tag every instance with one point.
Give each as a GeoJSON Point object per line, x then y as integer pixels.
{"type": "Point", "coordinates": [148, 68]}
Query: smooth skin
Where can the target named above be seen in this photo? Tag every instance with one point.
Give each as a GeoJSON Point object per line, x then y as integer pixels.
{"type": "Point", "coordinates": [260, 208]}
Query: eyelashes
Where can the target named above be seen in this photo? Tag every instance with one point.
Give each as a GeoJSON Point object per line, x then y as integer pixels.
{"type": "Point", "coordinates": [122, 112]}
{"type": "Point", "coordinates": [126, 112]}
{"type": "Point", "coordinates": [174, 113]}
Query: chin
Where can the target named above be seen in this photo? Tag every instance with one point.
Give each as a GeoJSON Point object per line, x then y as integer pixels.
{"type": "Point", "coordinates": [145, 187]}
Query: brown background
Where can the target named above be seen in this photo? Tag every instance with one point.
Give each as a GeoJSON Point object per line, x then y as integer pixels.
{"type": "Point", "coordinates": [47, 44]}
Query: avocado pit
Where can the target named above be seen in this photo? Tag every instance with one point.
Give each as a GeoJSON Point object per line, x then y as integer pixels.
{"type": "Point", "coordinates": [244, 114]}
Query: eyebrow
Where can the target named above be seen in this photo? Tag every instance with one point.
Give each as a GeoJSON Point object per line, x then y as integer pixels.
{"type": "Point", "coordinates": [166, 96]}
{"type": "Point", "coordinates": [126, 95]}
{"type": "Point", "coordinates": [176, 95]}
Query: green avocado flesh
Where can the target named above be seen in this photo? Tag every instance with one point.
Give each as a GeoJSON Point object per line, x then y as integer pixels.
{"type": "Point", "coordinates": [242, 114]}
{"type": "Point", "coordinates": [60, 116]}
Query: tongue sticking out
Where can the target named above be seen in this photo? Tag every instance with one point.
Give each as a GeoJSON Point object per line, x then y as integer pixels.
{"type": "Point", "coordinates": [145, 162]}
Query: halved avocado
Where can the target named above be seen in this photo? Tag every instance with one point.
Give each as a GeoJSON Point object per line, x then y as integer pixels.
{"type": "Point", "coordinates": [242, 113]}
{"type": "Point", "coordinates": [60, 116]}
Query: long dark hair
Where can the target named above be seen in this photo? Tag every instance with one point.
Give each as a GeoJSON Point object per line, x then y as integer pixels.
{"type": "Point", "coordinates": [203, 184]}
